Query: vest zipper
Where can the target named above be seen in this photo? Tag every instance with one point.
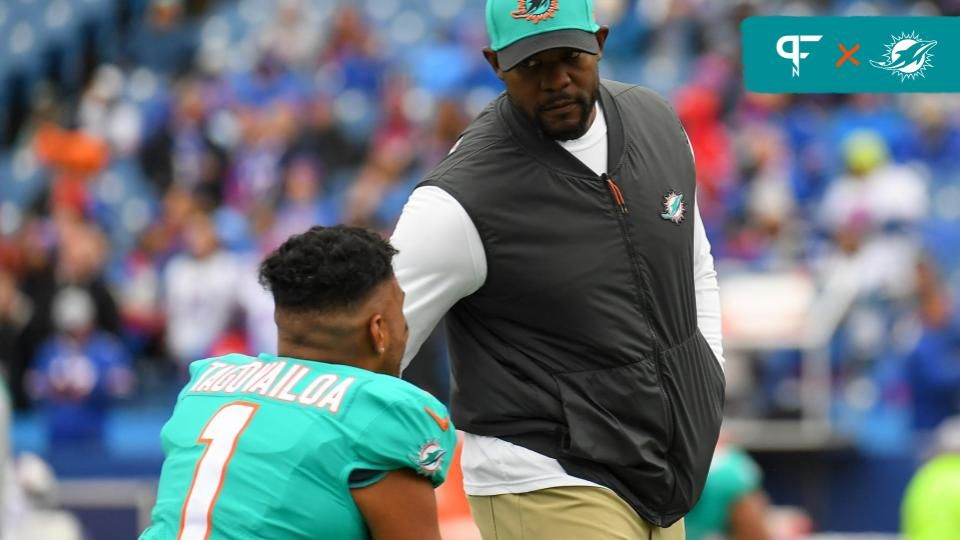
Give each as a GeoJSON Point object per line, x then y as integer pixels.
{"type": "Point", "coordinates": [617, 194]}
{"type": "Point", "coordinates": [621, 204]}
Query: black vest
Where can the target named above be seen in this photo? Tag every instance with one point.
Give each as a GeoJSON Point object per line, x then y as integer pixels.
{"type": "Point", "coordinates": [582, 344]}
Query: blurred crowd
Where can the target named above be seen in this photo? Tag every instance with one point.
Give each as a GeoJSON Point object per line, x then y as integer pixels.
{"type": "Point", "coordinates": [210, 134]}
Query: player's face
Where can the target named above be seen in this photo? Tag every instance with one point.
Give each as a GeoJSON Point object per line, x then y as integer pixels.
{"type": "Point", "coordinates": [557, 88]}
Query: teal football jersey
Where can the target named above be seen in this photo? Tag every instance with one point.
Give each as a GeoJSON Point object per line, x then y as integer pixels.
{"type": "Point", "coordinates": [263, 448]}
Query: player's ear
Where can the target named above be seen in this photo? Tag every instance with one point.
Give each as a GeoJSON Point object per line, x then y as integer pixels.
{"type": "Point", "coordinates": [494, 62]}
{"type": "Point", "coordinates": [379, 335]}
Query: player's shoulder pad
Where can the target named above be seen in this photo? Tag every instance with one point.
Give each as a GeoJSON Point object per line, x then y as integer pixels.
{"type": "Point", "coordinates": [414, 430]}
{"type": "Point", "coordinates": [394, 392]}
{"type": "Point", "coordinates": [198, 366]}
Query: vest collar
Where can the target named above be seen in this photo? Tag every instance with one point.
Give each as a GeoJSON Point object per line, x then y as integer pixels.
{"type": "Point", "coordinates": [551, 154]}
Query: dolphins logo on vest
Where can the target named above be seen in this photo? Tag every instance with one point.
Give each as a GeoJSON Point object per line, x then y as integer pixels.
{"type": "Point", "coordinates": [674, 208]}
{"type": "Point", "coordinates": [907, 56]}
{"type": "Point", "coordinates": [535, 10]}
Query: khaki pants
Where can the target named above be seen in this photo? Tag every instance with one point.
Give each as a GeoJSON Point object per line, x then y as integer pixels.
{"type": "Point", "coordinates": [564, 513]}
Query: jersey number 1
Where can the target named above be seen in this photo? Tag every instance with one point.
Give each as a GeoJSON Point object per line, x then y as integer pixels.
{"type": "Point", "coordinates": [220, 436]}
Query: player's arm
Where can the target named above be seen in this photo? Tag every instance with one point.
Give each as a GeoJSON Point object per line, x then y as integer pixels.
{"type": "Point", "coordinates": [748, 517]}
{"type": "Point", "coordinates": [401, 506]}
{"type": "Point", "coordinates": [741, 478]}
{"type": "Point", "coordinates": [396, 471]}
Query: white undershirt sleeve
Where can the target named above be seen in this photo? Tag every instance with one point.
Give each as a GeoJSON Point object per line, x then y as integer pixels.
{"type": "Point", "coordinates": [706, 288]}
{"type": "Point", "coordinates": [705, 284]}
{"type": "Point", "coordinates": [440, 260]}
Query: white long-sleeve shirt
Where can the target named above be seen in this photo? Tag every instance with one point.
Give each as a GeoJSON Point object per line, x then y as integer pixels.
{"type": "Point", "coordinates": [441, 260]}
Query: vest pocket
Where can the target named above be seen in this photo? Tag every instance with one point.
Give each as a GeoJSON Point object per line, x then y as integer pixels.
{"type": "Point", "coordinates": [618, 417]}
{"type": "Point", "coordinates": [694, 384]}
{"type": "Point", "coordinates": [649, 434]}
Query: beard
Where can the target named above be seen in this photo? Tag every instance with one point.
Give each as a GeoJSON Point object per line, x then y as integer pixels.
{"type": "Point", "coordinates": [568, 130]}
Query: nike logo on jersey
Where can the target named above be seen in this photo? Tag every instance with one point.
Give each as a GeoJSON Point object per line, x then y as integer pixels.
{"type": "Point", "coordinates": [444, 422]}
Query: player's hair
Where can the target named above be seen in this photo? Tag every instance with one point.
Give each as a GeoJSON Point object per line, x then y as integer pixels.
{"type": "Point", "coordinates": [327, 268]}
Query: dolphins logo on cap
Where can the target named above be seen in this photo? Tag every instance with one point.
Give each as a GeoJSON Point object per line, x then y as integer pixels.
{"type": "Point", "coordinates": [535, 10]}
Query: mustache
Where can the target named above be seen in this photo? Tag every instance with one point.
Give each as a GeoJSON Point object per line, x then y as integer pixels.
{"type": "Point", "coordinates": [560, 101]}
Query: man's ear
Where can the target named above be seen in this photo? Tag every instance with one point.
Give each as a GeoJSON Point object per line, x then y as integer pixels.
{"type": "Point", "coordinates": [602, 34]}
{"type": "Point", "coordinates": [379, 337]}
{"type": "Point", "coordinates": [494, 62]}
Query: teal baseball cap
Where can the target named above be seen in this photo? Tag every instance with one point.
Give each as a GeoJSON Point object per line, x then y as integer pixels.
{"type": "Point", "coordinates": [519, 29]}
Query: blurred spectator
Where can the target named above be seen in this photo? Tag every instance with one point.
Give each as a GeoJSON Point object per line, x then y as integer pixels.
{"type": "Point", "coordinates": [939, 138]}
{"type": "Point", "coordinates": [323, 138]}
{"type": "Point", "coordinates": [265, 135]}
{"type": "Point", "coordinates": [699, 111]}
{"type": "Point", "coordinates": [15, 313]}
{"type": "Point", "coordinates": [73, 157]}
{"type": "Point", "coordinates": [77, 373]}
{"type": "Point", "coordinates": [164, 42]}
{"type": "Point", "coordinates": [447, 126]}
{"type": "Point", "coordinates": [733, 504]}
{"type": "Point", "coordinates": [182, 153]}
{"type": "Point", "coordinates": [270, 82]}
{"type": "Point", "coordinates": [200, 292]}
{"type": "Point", "coordinates": [139, 294]}
{"type": "Point", "coordinates": [872, 113]}
{"type": "Point", "coordinates": [81, 252]}
{"type": "Point", "coordinates": [260, 330]}
{"type": "Point", "coordinates": [103, 113]}
{"type": "Point", "coordinates": [805, 119]}
{"type": "Point", "coordinates": [931, 504]}
{"type": "Point", "coordinates": [294, 35]}
{"type": "Point", "coordinates": [885, 194]}
{"type": "Point", "coordinates": [873, 213]}
{"type": "Point", "coordinates": [352, 49]}
{"type": "Point", "coordinates": [442, 64]}
{"type": "Point", "coordinates": [303, 203]}
{"type": "Point", "coordinates": [770, 237]}
{"type": "Point", "coordinates": [934, 365]}
{"type": "Point", "coordinates": [392, 154]}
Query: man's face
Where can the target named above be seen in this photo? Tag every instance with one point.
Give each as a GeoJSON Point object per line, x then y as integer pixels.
{"type": "Point", "coordinates": [557, 88]}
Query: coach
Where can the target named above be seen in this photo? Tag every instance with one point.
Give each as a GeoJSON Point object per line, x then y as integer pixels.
{"type": "Point", "coordinates": [561, 240]}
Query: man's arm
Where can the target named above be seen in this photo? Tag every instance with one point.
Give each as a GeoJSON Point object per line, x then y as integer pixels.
{"type": "Point", "coordinates": [440, 260]}
{"type": "Point", "coordinates": [706, 288]}
{"type": "Point", "coordinates": [705, 284]}
{"type": "Point", "coordinates": [401, 506]}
